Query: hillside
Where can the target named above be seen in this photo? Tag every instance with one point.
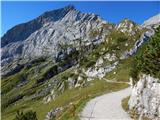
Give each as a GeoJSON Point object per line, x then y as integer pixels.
{"type": "Point", "coordinates": [54, 64]}
{"type": "Point", "coordinates": [146, 78]}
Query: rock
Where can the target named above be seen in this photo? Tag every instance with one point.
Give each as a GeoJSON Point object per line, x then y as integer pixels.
{"type": "Point", "coordinates": [77, 85]}
{"type": "Point", "coordinates": [126, 44]}
{"type": "Point", "coordinates": [100, 72]}
{"type": "Point", "coordinates": [51, 115]}
{"type": "Point", "coordinates": [99, 62]}
{"type": "Point", "coordinates": [80, 78]}
{"type": "Point", "coordinates": [24, 82]}
{"type": "Point", "coordinates": [150, 25]}
{"type": "Point", "coordinates": [61, 87]}
{"type": "Point", "coordinates": [110, 57]}
{"type": "Point", "coordinates": [71, 81]}
{"type": "Point", "coordinates": [145, 97]}
{"type": "Point", "coordinates": [80, 81]}
{"type": "Point", "coordinates": [11, 69]}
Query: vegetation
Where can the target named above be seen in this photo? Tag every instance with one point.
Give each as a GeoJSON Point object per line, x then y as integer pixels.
{"type": "Point", "coordinates": [41, 70]}
{"type": "Point", "coordinates": [147, 59]}
{"type": "Point", "coordinates": [77, 96]}
{"type": "Point", "coordinates": [94, 33]}
{"type": "Point", "coordinates": [12, 99]}
{"type": "Point", "coordinates": [125, 104]}
{"type": "Point", "coordinates": [121, 72]}
{"type": "Point", "coordinates": [29, 115]}
{"type": "Point", "coordinates": [80, 97]}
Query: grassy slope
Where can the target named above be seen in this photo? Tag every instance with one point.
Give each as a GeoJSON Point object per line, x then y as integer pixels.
{"type": "Point", "coordinates": [125, 103]}
{"type": "Point", "coordinates": [121, 73]}
{"type": "Point", "coordinates": [76, 96]}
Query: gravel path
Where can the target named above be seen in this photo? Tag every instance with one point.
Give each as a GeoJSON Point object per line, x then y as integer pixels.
{"type": "Point", "coordinates": [106, 107]}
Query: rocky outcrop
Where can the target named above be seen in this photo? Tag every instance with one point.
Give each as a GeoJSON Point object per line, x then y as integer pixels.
{"type": "Point", "coordinates": [100, 72]}
{"type": "Point", "coordinates": [51, 114]}
{"type": "Point", "coordinates": [145, 98]}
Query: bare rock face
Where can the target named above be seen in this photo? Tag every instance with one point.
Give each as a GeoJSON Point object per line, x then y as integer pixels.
{"type": "Point", "coordinates": [153, 21]}
{"type": "Point", "coordinates": [51, 114]}
{"type": "Point", "coordinates": [100, 71]}
{"type": "Point", "coordinates": [49, 33]}
{"type": "Point", "coordinates": [145, 98]}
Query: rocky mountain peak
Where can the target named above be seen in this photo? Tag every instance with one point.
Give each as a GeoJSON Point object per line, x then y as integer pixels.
{"type": "Point", "coordinates": [42, 35]}
{"type": "Point", "coordinates": [57, 14]}
{"type": "Point", "coordinates": [70, 7]}
{"type": "Point", "coordinates": [22, 31]}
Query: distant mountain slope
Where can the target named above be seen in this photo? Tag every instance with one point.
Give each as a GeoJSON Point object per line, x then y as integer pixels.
{"type": "Point", "coordinates": [23, 31]}
{"type": "Point", "coordinates": [44, 35]}
{"type": "Point", "coordinates": [153, 21]}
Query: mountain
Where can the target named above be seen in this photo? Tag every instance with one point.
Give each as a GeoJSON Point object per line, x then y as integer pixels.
{"type": "Point", "coordinates": [43, 35]}
{"type": "Point", "coordinates": [26, 29]}
{"type": "Point", "coordinates": [153, 21]}
{"type": "Point", "coordinates": [59, 60]}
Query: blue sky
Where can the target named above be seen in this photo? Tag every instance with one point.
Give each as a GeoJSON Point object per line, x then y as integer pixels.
{"type": "Point", "coordinates": [14, 13]}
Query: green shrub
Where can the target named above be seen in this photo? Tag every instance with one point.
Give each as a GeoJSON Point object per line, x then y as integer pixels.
{"type": "Point", "coordinates": [48, 74]}
{"type": "Point", "coordinates": [11, 82]}
{"type": "Point", "coordinates": [29, 115]}
{"type": "Point", "coordinates": [12, 99]}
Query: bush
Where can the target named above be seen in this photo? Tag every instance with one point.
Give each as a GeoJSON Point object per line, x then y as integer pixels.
{"type": "Point", "coordinates": [29, 115]}
{"type": "Point", "coordinates": [48, 74]}
{"type": "Point", "coordinates": [134, 71]}
{"type": "Point", "coordinates": [11, 100]}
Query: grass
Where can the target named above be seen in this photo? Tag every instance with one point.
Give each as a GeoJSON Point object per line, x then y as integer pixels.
{"type": "Point", "coordinates": [85, 94]}
{"type": "Point", "coordinates": [77, 96]}
{"type": "Point", "coordinates": [125, 104]}
{"type": "Point", "coordinates": [121, 73]}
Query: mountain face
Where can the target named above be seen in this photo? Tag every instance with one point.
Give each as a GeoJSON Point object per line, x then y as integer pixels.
{"type": "Point", "coordinates": [44, 35]}
{"type": "Point", "coordinates": [63, 52]}
{"type": "Point", "coordinates": [152, 22]}
{"type": "Point", "coordinates": [23, 31]}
